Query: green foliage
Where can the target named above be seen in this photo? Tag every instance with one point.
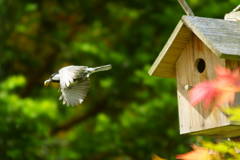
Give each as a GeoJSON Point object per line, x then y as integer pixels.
{"type": "Point", "coordinates": [228, 149]}
{"type": "Point", "coordinates": [234, 114]}
{"type": "Point", "coordinates": [22, 121]}
{"type": "Point", "coordinates": [127, 114]}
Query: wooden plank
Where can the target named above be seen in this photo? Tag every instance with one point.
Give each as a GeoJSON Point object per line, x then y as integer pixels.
{"type": "Point", "coordinates": [234, 64]}
{"type": "Point", "coordinates": [222, 37]}
{"type": "Point", "coordinates": [197, 120]}
{"type": "Point", "coordinates": [171, 52]}
{"type": "Point", "coordinates": [221, 132]}
{"type": "Point", "coordinates": [234, 15]}
{"type": "Point", "coordinates": [194, 119]}
{"type": "Point", "coordinates": [186, 7]}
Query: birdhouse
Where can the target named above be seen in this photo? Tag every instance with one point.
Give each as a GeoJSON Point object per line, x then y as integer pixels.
{"type": "Point", "coordinates": [191, 54]}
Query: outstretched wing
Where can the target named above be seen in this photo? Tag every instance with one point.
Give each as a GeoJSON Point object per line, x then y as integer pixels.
{"type": "Point", "coordinates": [76, 93]}
{"type": "Point", "coordinates": [69, 73]}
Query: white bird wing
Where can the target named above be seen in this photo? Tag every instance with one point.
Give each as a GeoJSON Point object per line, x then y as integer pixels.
{"type": "Point", "coordinates": [76, 93]}
{"type": "Point", "coordinates": [69, 73]}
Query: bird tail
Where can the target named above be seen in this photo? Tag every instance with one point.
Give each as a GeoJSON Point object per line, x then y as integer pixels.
{"type": "Point", "coordinates": [101, 68]}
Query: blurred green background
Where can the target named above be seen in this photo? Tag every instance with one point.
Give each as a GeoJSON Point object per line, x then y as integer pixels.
{"type": "Point", "coordinates": [127, 114]}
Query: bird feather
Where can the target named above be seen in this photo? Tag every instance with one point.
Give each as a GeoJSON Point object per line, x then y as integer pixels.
{"type": "Point", "coordinates": [69, 73]}
{"type": "Point", "coordinates": [76, 93]}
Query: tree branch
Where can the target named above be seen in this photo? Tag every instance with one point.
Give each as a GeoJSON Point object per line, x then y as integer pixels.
{"type": "Point", "coordinates": [78, 119]}
{"type": "Point", "coordinates": [186, 7]}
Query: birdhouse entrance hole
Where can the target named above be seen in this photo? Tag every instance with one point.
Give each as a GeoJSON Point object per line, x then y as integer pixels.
{"type": "Point", "coordinates": [200, 65]}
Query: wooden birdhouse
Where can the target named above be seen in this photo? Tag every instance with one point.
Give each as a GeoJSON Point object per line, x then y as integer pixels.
{"type": "Point", "coordinates": [191, 54]}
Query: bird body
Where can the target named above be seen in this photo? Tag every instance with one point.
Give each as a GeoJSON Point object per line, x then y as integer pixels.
{"type": "Point", "coordinates": [74, 82]}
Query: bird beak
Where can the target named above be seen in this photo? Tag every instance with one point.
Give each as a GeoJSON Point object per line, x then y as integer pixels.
{"type": "Point", "coordinates": [47, 82]}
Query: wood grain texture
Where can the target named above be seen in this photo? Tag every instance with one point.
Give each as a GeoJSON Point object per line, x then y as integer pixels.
{"type": "Point", "coordinates": [164, 65]}
{"type": "Point", "coordinates": [215, 41]}
{"type": "Point", "coordinates": [222, 37]}
{"type": "Point", "coordinates": [186, 7]}
{"type": "Point", "coordinates": [233, 16]}
{"type": "Point", "coordinates": [196, 119]}
{"type": "Point", "coordinates": [232, 65]}
{"type": "Point", "coordinates": [220, 132]}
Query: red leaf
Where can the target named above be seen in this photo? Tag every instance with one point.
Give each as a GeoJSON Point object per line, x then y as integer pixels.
{"type": "Point", "coordinates": [205, 91]}
{"type": "Point", "coordinates": [198, 153]}
{"type": "Point", "coordinates": [218, 91]}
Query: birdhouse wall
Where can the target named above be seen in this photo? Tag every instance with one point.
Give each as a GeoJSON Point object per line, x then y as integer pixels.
{"type": "Point", "coordinates": [196, 64]}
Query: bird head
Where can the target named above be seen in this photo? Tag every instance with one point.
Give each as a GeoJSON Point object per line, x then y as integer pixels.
{"type": "Point", "coordinates": [53, 78]}
{"type": "Point", "coordinates": [47, 82]}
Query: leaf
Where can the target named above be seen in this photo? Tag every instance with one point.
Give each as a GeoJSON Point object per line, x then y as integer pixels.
{"type": "Point", "coordinates": [198, 153]}
{"type": "Point", "coordinates": [205, 92]}
{"type": "Point", "coordinates": [218, 91]}
{"type": "Point", "coordinates": [156, 157]}
{"type": "Point", "coordinates": [234, 113]}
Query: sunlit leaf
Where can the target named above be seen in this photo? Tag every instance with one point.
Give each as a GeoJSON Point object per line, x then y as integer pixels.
{"type": "Point", "coordinates": [198, 153]}
{"type": "Point", "coordinates": [13, 82]}
{"type": "Point", "coordinates": [234, 113]}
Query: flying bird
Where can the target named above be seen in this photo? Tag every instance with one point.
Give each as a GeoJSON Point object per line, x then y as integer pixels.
{"type": "Point", "coordinates": [74, 82]}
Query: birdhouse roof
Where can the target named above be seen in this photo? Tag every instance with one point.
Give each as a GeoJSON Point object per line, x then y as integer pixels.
{"type": "Point", "coordinates": [220, 36]}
